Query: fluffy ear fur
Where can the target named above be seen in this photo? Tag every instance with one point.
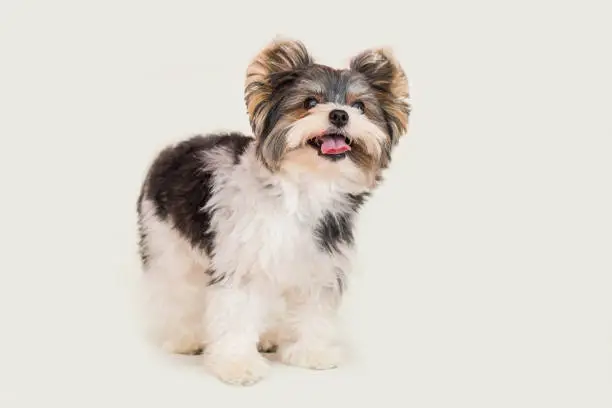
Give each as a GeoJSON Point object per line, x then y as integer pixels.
{"type": "Point", "coordinates": [276, 65]}
{"type": "Point", "coordinates": [388, 80]}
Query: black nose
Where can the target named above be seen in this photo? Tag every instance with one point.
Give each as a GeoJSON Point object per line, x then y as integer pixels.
{"type": "Point", "coordinates": [338, 117]}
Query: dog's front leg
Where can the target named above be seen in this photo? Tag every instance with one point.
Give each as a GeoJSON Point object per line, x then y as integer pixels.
{"type": "Point", "coordinates": [233, 320]}
{"type": "Point", "coordinates": [315, 341]}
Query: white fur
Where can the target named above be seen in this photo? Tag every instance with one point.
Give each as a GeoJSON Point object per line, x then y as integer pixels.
{"type": "Point", "coordinates": [280, 287]}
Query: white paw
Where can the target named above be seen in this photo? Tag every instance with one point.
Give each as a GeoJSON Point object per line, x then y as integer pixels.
{"type": "Point", "coordinates": [313, 357]}
{"type": "Point", "coordinates": [245, 370]}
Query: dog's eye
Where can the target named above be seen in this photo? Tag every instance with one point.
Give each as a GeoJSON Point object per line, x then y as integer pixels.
{"type": "Point", "coordinates": [310, 103]}
{"type": "Point", "coordinates": [359, 106]}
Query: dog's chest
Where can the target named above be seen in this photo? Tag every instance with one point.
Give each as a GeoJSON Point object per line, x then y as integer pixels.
{"type": "Point", "coordinates": [272, 233]}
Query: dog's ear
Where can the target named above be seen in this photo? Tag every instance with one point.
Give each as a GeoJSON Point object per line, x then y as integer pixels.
{"type": "Point", "coordinates": [388, 80]}
{"type": "Point", "coordinates": [275, 66]}
{"type": "Point", "coordinates": [382, 70]}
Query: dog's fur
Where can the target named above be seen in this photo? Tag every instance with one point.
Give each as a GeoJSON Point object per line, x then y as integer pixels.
{"type": "Point", "coordinates": [247, 242]}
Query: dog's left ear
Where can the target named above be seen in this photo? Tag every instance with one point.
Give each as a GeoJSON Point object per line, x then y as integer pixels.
{"type": "Point", "coordinates": [388, 80]}
{"type": "Point", "coordinates": [273, 67]}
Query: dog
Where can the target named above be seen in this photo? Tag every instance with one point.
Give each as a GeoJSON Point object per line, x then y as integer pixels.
{"type": "Point", "coordinates": [247, 242]}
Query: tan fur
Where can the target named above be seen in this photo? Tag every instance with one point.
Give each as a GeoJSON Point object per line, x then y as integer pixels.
{"type": "Point", "coordinates": [281, 55]}
{"type": "Point", "coordinates": [383, 71]}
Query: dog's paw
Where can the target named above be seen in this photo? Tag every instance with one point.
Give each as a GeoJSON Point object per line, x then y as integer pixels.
{"type": "Point", "coordinates": [312, 357]}
{"type": "Point", "coordinates": [245, 370]}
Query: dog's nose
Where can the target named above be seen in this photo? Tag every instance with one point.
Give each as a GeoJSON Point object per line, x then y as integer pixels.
{"type": "Point", "coordinates": [338, 117]}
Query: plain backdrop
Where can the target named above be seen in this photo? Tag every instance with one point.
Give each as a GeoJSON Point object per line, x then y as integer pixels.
{"type": "Point", "coordinates": [485, 267]}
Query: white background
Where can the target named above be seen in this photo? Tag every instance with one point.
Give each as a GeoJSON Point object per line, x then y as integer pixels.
{"type": "Point", "coordinates": [485, 267]}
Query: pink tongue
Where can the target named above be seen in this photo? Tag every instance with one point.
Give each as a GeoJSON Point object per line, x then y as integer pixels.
{"type": "Point", "coordinates": [334, 145]}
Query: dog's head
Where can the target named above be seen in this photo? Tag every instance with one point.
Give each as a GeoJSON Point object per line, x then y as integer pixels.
{"type": "Point", "coordinates": [301, 110]}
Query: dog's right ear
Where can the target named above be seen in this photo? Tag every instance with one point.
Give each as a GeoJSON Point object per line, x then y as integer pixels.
{"type": "Point", "coordinates": [276, 65]}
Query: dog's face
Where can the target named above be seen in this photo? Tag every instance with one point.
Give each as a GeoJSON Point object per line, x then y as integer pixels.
{"type": "Point", "coordinates": [300, 110]}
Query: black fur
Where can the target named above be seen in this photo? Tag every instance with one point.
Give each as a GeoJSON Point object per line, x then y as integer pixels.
{"type": "Point", "coordinates": [180, 188]}
{"type": "Point", "coordinates": [357, 200]}
{"type": "Point", "coordinates": [334, 229]}
{"type": "Point", "coordinates": [274, 115]}
{"type": "Point", "coordinates": [337, 228]}
{"type": "Point", "coordinates": [215, 277]}
{"type": "Point", "coordinates": [143, 250]}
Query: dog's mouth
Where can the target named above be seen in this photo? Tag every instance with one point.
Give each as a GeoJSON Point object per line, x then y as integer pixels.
{"type": "Point", "coordinates": [331, 145]}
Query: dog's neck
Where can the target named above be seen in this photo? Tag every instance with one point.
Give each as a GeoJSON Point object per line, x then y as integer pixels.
{"type": "Point", "coordinates": [303, 170]}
